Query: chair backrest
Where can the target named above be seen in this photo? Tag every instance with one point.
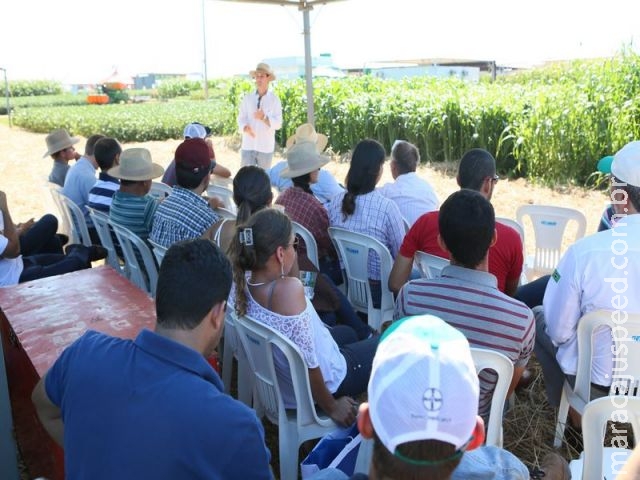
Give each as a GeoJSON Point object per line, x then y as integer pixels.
{"type": "Point", "coordinates": [224, 194]}
{"type": "Point", "coordinates": [107, 238]}
{"type": "Point", "coordinates": [626, 351]}
{"type": "Point", "coordinates": [549, 224]}
{"type": "Point", "coordinates": [353, 248]}
{"type": "Point", "coordinates": [258, 341]}
{"type": "Point", "coordinates": [430, 266]}
{"type": "Point", "coordinates": [138, 259]}
{"type": "Point", "coordinates": [510, 222]}
{"type": "Point", "coordinates": [158, 251]}
{"type": "Point", "coordinates": [309, 242]}
{"type": "Point", "coordinates": [160, 190]}
{"type": "Point", "coordinates": [594, 423]}
{"type": "Point", "coordinates": [79, 231]}
{"type": "Point", "coordinates": [224, 213]}
{"type": "Point", "coordinates": [63, 225]}
{"type": "Point", "coordinates": [499, 363]}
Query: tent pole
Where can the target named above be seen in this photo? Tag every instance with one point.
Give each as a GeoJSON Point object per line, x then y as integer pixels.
{"type": "Point", "coordinates": [307, 63]}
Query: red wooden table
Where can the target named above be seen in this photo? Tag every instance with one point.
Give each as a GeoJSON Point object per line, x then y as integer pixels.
{"type": "Point", "coordinates": [38, 320]}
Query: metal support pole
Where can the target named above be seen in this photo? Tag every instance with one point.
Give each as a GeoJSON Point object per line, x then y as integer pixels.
{"type": "Point", "coordinates": [307, 63]}
{"type": "Point", "coordinates": [204, 53]}
{"type": "Point", "coordinates": [6, 94]}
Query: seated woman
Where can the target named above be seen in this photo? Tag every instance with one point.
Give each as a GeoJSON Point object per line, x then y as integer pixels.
{"type": "Point", "coordinates": [251, 193]}
{"type": "Point", "coordinates": [363, 209]}
{"type": "Point", "coordinates": [264, 248]}
{"type": "Point", "coordinates": [303, 165]}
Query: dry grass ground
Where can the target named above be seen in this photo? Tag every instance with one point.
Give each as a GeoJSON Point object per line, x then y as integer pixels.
{"type": "Point", "coordinates": [528, 427]}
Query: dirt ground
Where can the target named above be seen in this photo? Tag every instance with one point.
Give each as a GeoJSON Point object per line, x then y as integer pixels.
{"type": "Point", "coordinates": [23, 176]}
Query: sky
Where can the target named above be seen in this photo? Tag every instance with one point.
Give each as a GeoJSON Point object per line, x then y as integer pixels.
{"type": "Point", "coordinates": [82, 41]}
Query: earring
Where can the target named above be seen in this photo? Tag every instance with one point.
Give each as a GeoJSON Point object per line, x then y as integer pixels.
{"type": "Point", "coordinates": [282, 270]}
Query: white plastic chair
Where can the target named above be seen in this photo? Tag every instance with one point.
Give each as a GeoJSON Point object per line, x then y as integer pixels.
{"type": "Point", "coordinates": [627, 346]}
{"type": "Point", "coordinates": [144, 275]}
{"type": "Point", "coordinates": [309, 241]}
{"type": "Point", "coordinates": [63, 220]}
{"type": "Point", "coordinates": [158, 251]}
{"type": "Point", "coordinates": [232, 348]}
{"type": "Point", "coordinates": [549, 224]}
{"type": "Point", "coordinates": [79, 232]}
{"type": "Point", "coordinates": [224, 213]}
{"type": "Point", "coordinates": [224, 194]}
{"type": "Point", "coordinates": [294, 426]}
{"type": "Point", "coordinates": [101, 222]}
{"type": "Point", "coordinates": [353, 248]}
{"type": "Point", "coordinates": [430, 266]}
{"type": "Point", "coordinates": [597, 462]}
{"type": "Point", "coordinates": [499, 363]}
{"type": "Point", "coordinates": [160, 190]}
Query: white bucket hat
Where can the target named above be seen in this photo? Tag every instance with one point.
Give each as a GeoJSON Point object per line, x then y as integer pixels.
{"type": "Point", "coordinates": [136, 165]}
{"type": "Point", "coordinates": [306, 133]}
{"type": "Point", "coordinates": [57, 140]}
{"type": "Point", "coordinates": [303, 158]}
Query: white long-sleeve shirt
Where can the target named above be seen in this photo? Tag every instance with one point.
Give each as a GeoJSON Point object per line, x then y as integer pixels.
{"type": "Point", "coordinates": [265, 135]}
{"type": "Point", "coordinates": [598, 272]}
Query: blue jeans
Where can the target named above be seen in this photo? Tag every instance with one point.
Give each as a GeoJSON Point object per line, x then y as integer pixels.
{"type": "Point", "coordinates": [359, 357]}
{"type": "Point", "coordinates": [252, 157]}
{"type": "Point", "coordinates": [346, 316]}
{"type": "Point", "coordinates": [50, 264]}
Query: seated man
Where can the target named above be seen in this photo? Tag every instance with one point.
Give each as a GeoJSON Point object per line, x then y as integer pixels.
{"type": "Point", "coordinates": [196, 130]}
{"type": "Point", "coordinates": [413, 195]}
{"type": "Point", "coordinates": [132, 207]}
{"type": "Point", "coordinates": [477, 171]}
{"type": "Point", "coordinates": [185, 213]}
{"type": "Point", "coordinates": [600, 271]}
{"type": "Point", "coordinates": [60, 148]}
{"type": "Point", "coordinates": [80, 179]}
{"type": "Point", "coordinates": [421, 412]}
{"type": "Point", "coordinates": [466, 295]}
{"type": "Point", "coordinates": [153, 407]}
{"type": "Point", "coordinates": [46, 258]}
{"type": "Point", "coordinates": [107, 152]}
{"type": "Point", "coordinates": [326, 187]}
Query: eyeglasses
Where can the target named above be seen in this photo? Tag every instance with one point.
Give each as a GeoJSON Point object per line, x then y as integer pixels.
{"type": "Point", "coordinates": [294, 244]}
{"type": "Point", "coordinates": [495, 178]}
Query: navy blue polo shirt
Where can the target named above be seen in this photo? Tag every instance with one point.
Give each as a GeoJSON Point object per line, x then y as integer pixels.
{"type": "Point", "coordinates": [151, 408]}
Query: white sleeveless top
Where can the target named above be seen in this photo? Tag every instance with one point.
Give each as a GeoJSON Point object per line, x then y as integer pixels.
{"type": "Point", "coordinates": [311, 336]}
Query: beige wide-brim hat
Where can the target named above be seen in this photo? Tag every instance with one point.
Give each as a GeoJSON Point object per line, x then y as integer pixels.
{"type": "Point", "coordinates": [136, 165]}
{"type": "Point", "coordinates": [306, 133]}
{"type": "Point", "coordinates": [264, 68]}
{"type": "Point", "coordinates": [57, 140]}
{"type": "Point", "coordinates": [303, 158]}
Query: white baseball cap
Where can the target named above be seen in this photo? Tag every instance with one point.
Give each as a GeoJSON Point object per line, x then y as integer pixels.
{"type": "Point", "coordinates": [423, 384]}
{"type": "Point", "coordinates": [626, 164]}
{"type": "Point", "coordinates": [195, 130]}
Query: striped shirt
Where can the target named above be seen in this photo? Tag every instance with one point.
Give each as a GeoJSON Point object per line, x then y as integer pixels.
{"type": "Point", "coordinates": [376, 216]}
{"type": "Point", "coordinates": [470, 301]}
{"type": "Point", "coordinates": [134, 212]}
{"type": "Point", "coordinates": [102, 192]}
{"type": "Point", "coordinates": [183, 215]}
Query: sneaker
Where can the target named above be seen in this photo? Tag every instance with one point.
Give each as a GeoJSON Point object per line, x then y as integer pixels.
{"type": "Point", "coordinates": [552, 467]}
{"type": "Point", "coordinates": [94, 252]}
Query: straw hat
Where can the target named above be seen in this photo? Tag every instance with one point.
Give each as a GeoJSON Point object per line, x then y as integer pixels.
{"type": "Point", "coordinates": [306, 133]}
{"type": "Point", "coordinates": [57, 140]}
{"type": "Point", "coordinates": [264, 68]}
{"type": "Point", "coordinates": [136, 165]}
{"type": "Point", "coordinates": [303, 158]}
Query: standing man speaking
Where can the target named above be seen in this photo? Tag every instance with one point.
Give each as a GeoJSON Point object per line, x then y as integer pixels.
{"type": "Point", "coordinates": [259, 118]}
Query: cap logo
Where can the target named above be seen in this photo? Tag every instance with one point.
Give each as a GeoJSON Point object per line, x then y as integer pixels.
{"type": "Point", "coordinates": [432, 399]}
